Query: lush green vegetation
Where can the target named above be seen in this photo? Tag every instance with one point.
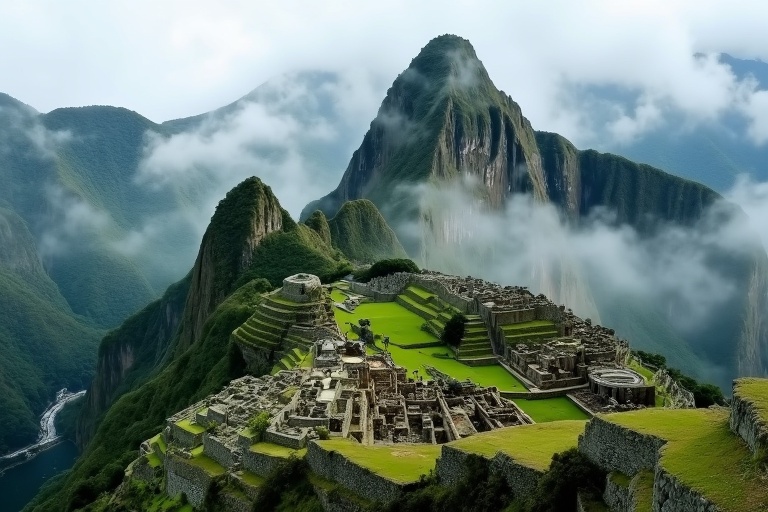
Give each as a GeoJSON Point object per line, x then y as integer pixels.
{"type": "Point", "coordinates": [400, 462]}
{"type": "Point", "coordinates": [43, 344]}
{"type": "Point", "coordinates": [704, 454]}
{"type": "Point", "coordinates": [66, 419]}
{"type": "Point", "coordinates": [385, 268]}
{"type": "Point", "coordinates": [201, 370]}
{"type": "Point", "coordinates": [258, 425]}
{"type": "Point", "coordinates": [285, 253]}
{"type": "Point", "coordinates": [362, 234]}
{"type": "Point", "coordinates": [287, 489]}
{"type": "Point", "coordinates": [319, 224]}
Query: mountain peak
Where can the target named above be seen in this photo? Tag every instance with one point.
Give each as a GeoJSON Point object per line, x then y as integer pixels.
{"type": "Point", "coordinates": [448, 60]}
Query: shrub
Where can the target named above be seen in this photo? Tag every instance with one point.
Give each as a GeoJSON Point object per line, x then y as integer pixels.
{"type": "Point", "coordinates": [569, 472]}
{"type": "Point", "coordinates": [258, 425]}
{"type": "Point", "coordinates": [323, 432]}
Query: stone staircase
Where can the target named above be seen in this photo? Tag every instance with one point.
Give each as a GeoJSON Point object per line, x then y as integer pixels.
{"type": "Point", "coordinates": [428, 306]}
{"type": "Point", "coordinates": [526, 332]}
{"type": "Point", "coordinates": [476, 348]}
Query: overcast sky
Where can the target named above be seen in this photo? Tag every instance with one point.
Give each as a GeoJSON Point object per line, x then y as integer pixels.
{"type": "Point", "coordinates": [174, 58]}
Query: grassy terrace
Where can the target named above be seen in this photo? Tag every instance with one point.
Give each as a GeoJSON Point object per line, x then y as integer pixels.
{"type": "Point", "coordinates": [755, 391]}
{"type": "Point", "coordinates": [644, 491]}
{"type": "Point", "coordinates": [402, 463]}
{"type": "Point", "coordinates": [551, 409]}
{"type": "Point", "coordinates": [251, 479]}
{"type": "Point", "coordinates": [388, 319]}
{"type": "Point", "coordinates": [703, 454]}
{"type": "Point", "coordinates": [275, 450]}
{"type": "Point", "coordinates": [442, 359]}
{"type": "Point", "coordinates": [190, 427]}
{"type": "Point", "coordinates": [530, 445]}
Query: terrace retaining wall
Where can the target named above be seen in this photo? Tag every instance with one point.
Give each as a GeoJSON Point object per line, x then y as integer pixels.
{"type": "Point", "coordinates": [617, 448]}
{"type": "Point", "coordinates": [618, 496]}
{"type": "Point", "coordinates": [333, 466]}
{"type": "Point", "coordinates": [746, 423]}
{"type": "Point", "coordinates": [669, 495]}
{"type": "Point", "coordinates": [182, 477]}
{"type": "Point", "coordinates": [217, 450]}
{"type": "Point", "coordinates": [260, 463]}
{"type": "Point", "coordinates": [522, 480]}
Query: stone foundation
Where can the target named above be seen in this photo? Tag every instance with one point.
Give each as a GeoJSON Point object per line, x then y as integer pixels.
{"type": "Point", "coordinates": [181, 477]}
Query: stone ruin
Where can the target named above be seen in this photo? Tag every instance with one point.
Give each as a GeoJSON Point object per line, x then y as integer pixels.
{"type": "Point", "coordinates": [302, 288]}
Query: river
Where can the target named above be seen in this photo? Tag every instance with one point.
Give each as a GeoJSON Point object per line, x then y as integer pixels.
{"type": "Point", "coordinates": [27, 469]}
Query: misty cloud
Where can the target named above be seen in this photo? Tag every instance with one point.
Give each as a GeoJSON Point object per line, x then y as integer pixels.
{"type": "Point", "coordinates": [72, 223]}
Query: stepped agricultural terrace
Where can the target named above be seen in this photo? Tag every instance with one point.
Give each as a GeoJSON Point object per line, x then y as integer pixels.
{"type": "Point", "coordinates": [372, 418]}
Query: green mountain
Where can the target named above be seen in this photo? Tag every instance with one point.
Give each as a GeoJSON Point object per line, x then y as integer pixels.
{"type": "Point", "coordinates": [443, 125]}
{"type": "Point", "coordinates": [362, 234]}
{"type": "Point", "coordinates": [178, 349]}
{"type": "Point", "coordinates": [44, 345]}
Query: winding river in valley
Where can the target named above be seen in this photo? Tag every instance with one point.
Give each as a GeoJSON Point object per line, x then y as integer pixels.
{"type": "Point", "coordinates": [24, 471]}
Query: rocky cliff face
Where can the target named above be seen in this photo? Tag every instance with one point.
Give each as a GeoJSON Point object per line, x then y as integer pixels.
{"type": "Point", "coordinates": [128, 355]}
{"type": "Point", "coordinates": [242, 220]}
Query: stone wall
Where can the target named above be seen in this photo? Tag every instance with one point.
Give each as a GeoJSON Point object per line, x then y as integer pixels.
{"type": "Point", "coordinates": [283, 439]}
{"type": "Point", "coordinates": [184, 437]}
{"type": "Point", "coordinates": [301, 288]}
{"type": "Point", "coordinates": [361, 481]}
{"type": "Point", "coordinates": [746, 423]}
{"type": "Point", "coordinates": [182, 477]}
{"type": "Point", "coordinates": [230, 502]}
{"type": "Point", "coordinates": [217, 450]}
{"type": "Point", "coordinates": [669, 495]}
{"type": "Point", "coordinates": [451, 469]}
{"type": "Point", "coordinates": [617, 494]}
{"type": "Point", "coordinates": [616, 448]}
{"type": "Point", "coordinates": [260, 463]}
{"type": "Point", "coordinates": [522, 480]}
{"type": "Point", "coordinates": [463, 304]}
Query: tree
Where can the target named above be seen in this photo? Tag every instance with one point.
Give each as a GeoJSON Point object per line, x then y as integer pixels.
{"type": "Point", "coordinates": [454, 330]}
{"type": "Point", "coordinates": [385, 268]}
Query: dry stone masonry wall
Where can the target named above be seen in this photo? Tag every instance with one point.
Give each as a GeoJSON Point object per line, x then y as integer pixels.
{"type": "Point", "coordinates": [746, 419]}
{"type": "Point", "coordinates": [617, 448]}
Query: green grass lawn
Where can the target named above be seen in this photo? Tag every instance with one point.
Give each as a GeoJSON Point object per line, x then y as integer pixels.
{"type": "Point", "coordinates": [551, 409]}
{"type": "Point", "coordinates": [190, 427]}
{"type": "Point", "coordinates": [337, 295]}
{"type": "Point", "coordinates": [644, 490]}
{"type": "Point", "coordinates": [387, 319]}
{"type": "Point", "coordinates": [442, 359]}
{"type": "Point", "coordinates": [211, 467]}
{"type": "Point", "coordinates": [276, 450]}
{"type": "Point", "coordinates": [421, 292]}
{"type": "Point", "coordinates": [530, 445]}
{"type": "Point", "coordinates": [704, 454]}
{"type": "Point", "coordinates": [400, 462]}
{"type": "Point", "coordinates": [252, 479]}
{"type": "Point", "coordinates": [511, 328]}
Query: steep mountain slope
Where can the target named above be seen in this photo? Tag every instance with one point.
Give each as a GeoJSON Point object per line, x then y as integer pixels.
{"type": "Point", "coordinates": [443, 119]}
{"type": "Point", "coordinates": [44, 345]}
{"type": "Point", "coordinates": [362, 234]}
{"type": "Point", "coordinates": [148, 368]}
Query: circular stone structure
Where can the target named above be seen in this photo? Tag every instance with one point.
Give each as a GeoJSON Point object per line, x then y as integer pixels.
{"type": "Point", "coordinates": [622, 384]}
{"type": "Point", "coordinates": [302, 288]}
